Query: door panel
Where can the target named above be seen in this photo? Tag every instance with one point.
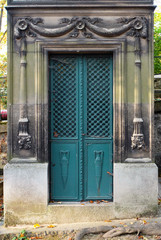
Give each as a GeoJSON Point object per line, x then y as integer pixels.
{"type": "Point", "coordinates": [81, 127]}
{"type": "Point", "coordinates": [65, 167]}
{"type": "Point", "coordinates": [64, 127]}
{"type": "Point", "coordinates": [98, 127]}
{"type": "Point", "coordinates": [98, 183]}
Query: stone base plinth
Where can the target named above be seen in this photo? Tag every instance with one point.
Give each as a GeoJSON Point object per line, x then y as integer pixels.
{"type": "Point", "coordinates": [136, 184]}
{"type": "Point", "coordinates": [26, 190]}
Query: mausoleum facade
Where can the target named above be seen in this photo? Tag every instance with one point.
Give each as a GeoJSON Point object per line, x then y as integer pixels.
{"type": "Point", "coordinates": [80, 103]}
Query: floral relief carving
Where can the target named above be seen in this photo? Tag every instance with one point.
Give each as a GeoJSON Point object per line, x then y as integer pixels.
{"type": "Point", "coordinates": [24, 142]}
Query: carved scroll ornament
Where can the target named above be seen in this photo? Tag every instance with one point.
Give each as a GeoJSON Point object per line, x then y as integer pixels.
{"type": "Point", "coordinates": [136, 26]}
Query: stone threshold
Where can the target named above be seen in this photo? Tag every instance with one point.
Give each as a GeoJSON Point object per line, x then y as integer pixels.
{"type": "Point", "coordinates": [72, 212]}
{"type": "Point", "coordinates": [83, 203]}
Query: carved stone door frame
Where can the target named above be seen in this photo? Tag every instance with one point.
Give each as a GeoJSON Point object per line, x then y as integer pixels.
{"type": "Point", "coordinates": [43, 49]}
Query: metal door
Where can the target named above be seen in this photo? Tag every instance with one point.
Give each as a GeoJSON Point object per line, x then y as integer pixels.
{"type": "Point", "coordinates": [81, 127]}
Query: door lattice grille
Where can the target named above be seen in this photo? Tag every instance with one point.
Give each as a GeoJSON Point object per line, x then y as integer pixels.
{"type": "Point", "coordinates": [63, 97]}
{"type": "Point", "coordinates": [99, 97]}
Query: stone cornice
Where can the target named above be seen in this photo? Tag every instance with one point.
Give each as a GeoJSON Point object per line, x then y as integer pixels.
{"type": "Point", "coordinates": [82, 6]}
{"type": "Point", "coordinates": [76, 2]}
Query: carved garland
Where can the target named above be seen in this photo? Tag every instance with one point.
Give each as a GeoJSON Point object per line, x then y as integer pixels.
{"type": "Point", "coordinates": [137, 27]}
{"type": "Point", "coordinates": [28, 27]}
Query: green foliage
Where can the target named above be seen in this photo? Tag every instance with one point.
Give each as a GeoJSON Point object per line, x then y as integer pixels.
{"type": "Point", "coordinates": [3, 55]}
{"type": "Point", "coordinates": [3, 92]}
{"type": "Point", "coordinates": [21, 236]}
{"type": "Point", "coordinates": [157, 43]}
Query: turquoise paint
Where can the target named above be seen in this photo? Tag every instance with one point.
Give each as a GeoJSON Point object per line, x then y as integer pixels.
{"type": "Point", "coordinates": [81, 127]}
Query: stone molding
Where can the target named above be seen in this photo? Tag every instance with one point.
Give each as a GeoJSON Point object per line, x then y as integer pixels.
{"type": "Point", "coordinates": [81, 2]}
{"type": "Point", "coordinates": [118, 47]}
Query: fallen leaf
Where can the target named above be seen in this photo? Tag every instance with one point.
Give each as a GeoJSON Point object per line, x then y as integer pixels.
{"type": "Point", "coordinates": [36, 225]}
{"type": "Point", "coordinates": [110, 173]}
{"type": "Point", "coordinates": [125, 225]}
{"type": "Point", "coordinates": [91, 201]}
{"type": "Point", "coordinates": [59, 202]}
{"type": "Point", "coordinates": [36, 238]}
{"type": "Point", "coordinates": [82, 204]}
{"type": "Point", "coordinates": [140, 237]}
{"type": "Point", "coordinates": [107, 221]}
{"type": "Point", "coordinates": [98, 202]}
{"type": "Point", "coordinates": [56, 134]}
{"type": "Point", "coordinates": [144, 222]}
{"type": "Point", "coordinates": [51, 226]}
{"type": "Point", "coordinates": [114, 226]}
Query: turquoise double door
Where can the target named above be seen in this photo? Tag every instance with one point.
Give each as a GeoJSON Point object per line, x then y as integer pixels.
{"type": "Point", "coordinates": [81, 121]}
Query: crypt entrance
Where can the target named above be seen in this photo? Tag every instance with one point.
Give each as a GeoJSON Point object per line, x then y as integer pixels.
{"type": "Point", "coordinates": [81, 123]}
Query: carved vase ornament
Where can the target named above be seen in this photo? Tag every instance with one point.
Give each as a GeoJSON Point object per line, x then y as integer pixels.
{"type": "Point", "coordinates": [32, 27]}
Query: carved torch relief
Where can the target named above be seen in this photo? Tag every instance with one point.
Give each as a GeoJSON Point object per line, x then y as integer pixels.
{"type": "Point", "coordinates": [136, 27]}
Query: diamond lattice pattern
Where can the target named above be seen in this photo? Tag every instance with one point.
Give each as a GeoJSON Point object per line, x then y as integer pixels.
{"type": "Point", "coordinates": [63, 97]}
{"type": "Point", "coordinates": [99, 96]}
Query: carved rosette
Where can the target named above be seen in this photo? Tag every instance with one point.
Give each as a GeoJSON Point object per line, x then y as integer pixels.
{"type": "Point", "coordinates": [24, 142]}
